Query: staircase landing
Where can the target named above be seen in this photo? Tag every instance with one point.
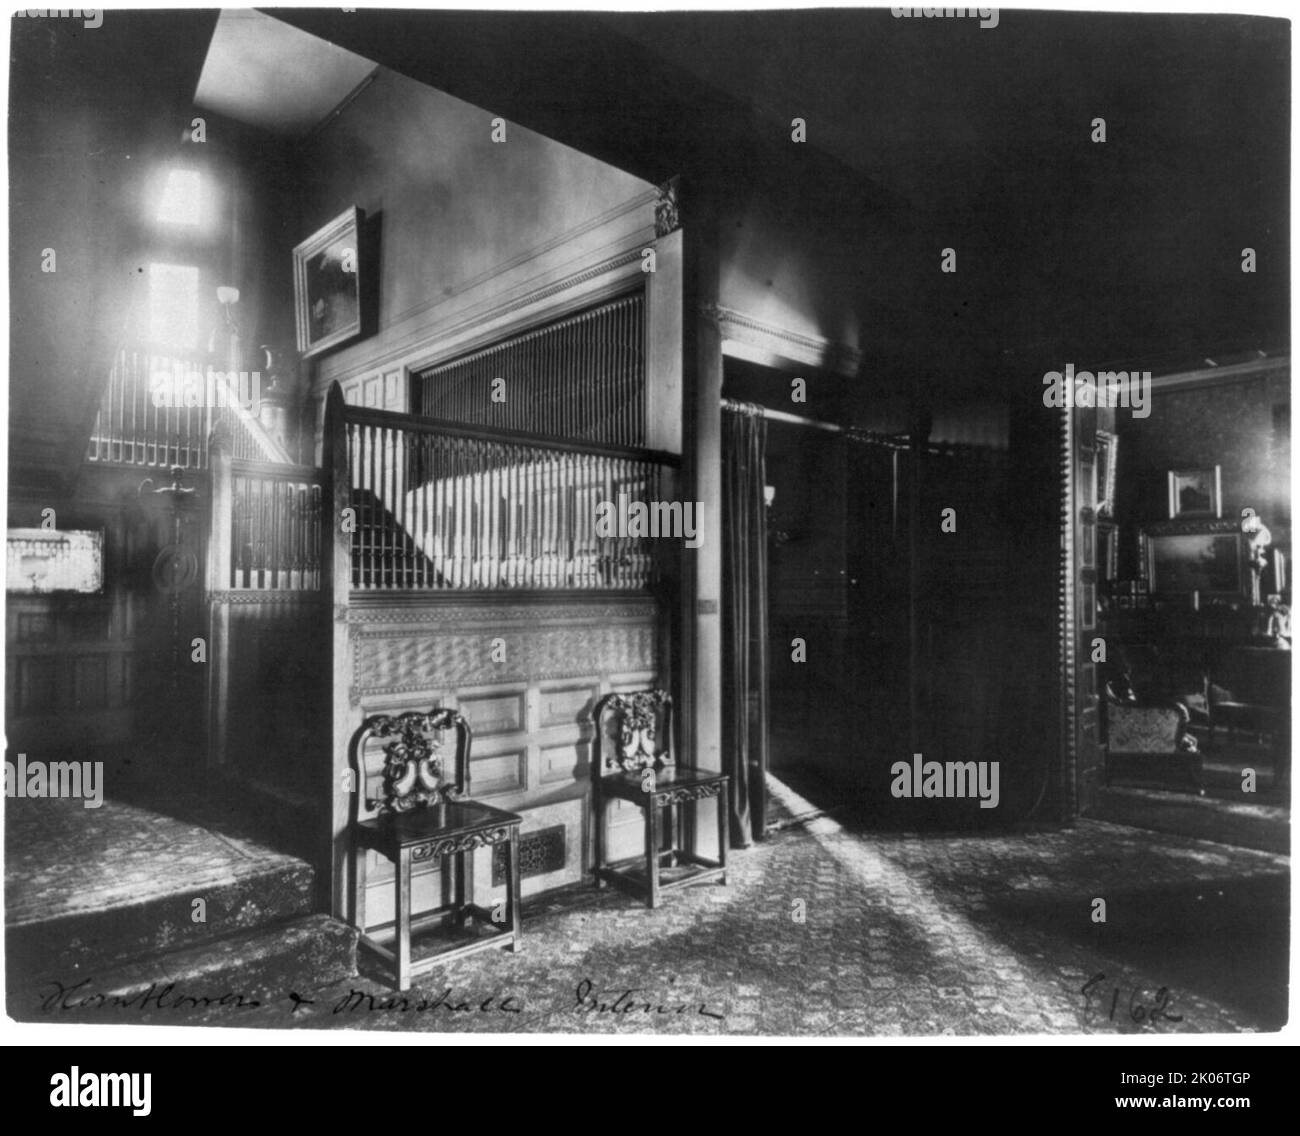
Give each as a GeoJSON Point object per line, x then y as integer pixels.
{"type": "Point", "coordinates": [91, 891]}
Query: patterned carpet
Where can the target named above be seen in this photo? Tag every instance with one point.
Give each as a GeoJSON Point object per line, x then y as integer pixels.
{"type": "Point", "coordinates": [901, 935]}
{"type": "Point", "coordinates": [826, 931]}
{"type": "Point", "coordinates": [62, 859]}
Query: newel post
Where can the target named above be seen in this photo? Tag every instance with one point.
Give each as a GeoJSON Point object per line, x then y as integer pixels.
{"type": "Point", "coordinates": [221, 521]}
{"type": "Point", "coordinates": [337, 568]}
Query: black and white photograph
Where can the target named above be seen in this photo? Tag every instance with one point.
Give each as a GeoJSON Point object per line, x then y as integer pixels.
{"type": "Point", "coordinates": [696, 525]}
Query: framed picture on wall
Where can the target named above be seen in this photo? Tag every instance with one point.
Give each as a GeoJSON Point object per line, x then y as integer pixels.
{"type": "Point", "coordinates": [1107, 550]}
{"type": "Point", "coordinates": [1194, 493]}
{"type": "Point", "coordinates": [43, 561]}
{"type": "Point", "coordinates": [1211, 557]}
{"type": "Point", "coordinates": [327, 273]}
{"type": "Point", "coordinates": [1107, 456]}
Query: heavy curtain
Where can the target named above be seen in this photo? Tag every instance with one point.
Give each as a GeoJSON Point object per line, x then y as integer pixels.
{"type": "Point", "coordinates": [744, 618]}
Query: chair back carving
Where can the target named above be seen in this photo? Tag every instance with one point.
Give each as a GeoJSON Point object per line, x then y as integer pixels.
{"type": "Point", "coordinates": [641, 721]}
{"type": "Point", "coordinates": [416, 772]}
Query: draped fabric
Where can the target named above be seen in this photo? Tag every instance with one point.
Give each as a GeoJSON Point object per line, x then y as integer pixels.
{"type": "Point", "coordinates": [744, 618]}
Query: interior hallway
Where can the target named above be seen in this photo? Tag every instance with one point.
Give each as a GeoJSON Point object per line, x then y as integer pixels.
{"type": "Point", "coordinates": [903, 934]}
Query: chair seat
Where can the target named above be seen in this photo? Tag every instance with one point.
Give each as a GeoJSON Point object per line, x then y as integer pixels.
{"type": "Point", "coordinates": [672, 784]}
{"type": "Point", "coordinates": [437, 830]}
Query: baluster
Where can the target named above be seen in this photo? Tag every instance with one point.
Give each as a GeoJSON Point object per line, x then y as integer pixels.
{"type": "Point", "coordinates": [237, 533]}
{"type": "Point", "coordinates": [387, 520]}
{"type": "Point", "coordinates": [463, 519]}
{"type": "Point", "coordinates": [454, 520]}
{"type": "Point", "coordinates": [317, 534]}
{"type": "Point", "coordinates": [555, 554]}
{"type": "Point", "coordinates": [398, 539]}
{"type": "Point", "coordinates": [367, 529]}
{"type": "Point", "coordinates": [387, 516]}
{"type": "Point", "coordinates": [416, 467]}
{"type": "Point", "coordinates": [439, 511]}
{"type": "Point", "coordinates": [402, 529]}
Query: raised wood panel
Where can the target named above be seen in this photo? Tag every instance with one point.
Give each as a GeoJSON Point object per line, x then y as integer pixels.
{"type": "Point", "coordinates": [493, 774]}
{"type": "Point", "coordinates": [573, 815]}
{"type": "Point", "coordinates": [90, 683]}
{"type": "Point", "coordinates": [491, 715]}
{"type": "Point", "coordinates": [35, 627]}
{"type": "Point", "coordinates": [530, 715]}
{"type": "Point", "coordinates": [276, 696]}
{"type": "Point", "coordinates": [393, 393]}
{"type": "Point", "coordinates": [38, 687]}
{"type": "Point", "coordinates": [566, 762]}
{"type": "Point", "coordinates": [567, 705]}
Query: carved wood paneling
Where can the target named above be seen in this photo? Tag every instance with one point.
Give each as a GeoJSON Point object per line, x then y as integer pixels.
{"type": "Point", "coordinates": [456, 647]}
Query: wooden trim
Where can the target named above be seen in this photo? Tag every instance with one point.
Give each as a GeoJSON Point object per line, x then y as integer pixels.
{"type": "Point", "coordinates": [279, 470]}
{"type": "Point", "coordinates": [378, 598]}
{"type": "Point", "coordinates": [779, 347]}
{"type": "Point", "coordinates": [416, 424]}
{"type": "Point", "coordinates": [336, 572]}
{"type": "Point", "coordinates": [1066, 617]}
{"type": "Point", "coordinates": [1215, 376]}
{"type": "Point", "coordinates": [484, 322]}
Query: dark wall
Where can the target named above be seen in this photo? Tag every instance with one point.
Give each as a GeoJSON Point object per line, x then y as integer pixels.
{"type": "Point", "coordinates": [449, 207]}
{"type": "Point", "coordinates": [1242, 427]}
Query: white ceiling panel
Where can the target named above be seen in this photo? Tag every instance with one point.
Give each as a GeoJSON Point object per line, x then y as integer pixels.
{"type": "Point", "coordinates": [263, 72]}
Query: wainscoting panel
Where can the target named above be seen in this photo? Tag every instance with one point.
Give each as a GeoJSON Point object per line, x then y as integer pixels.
{"type": "Point", "coordinates": [526, 673]}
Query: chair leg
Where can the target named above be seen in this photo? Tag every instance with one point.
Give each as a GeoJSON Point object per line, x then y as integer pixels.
{"type": "Point", "coordinates": [598, 852]}
{"type": "Point", "coordinates": [359, 887]}
{"type": "Point", "coordinates": [724, 833]}
{"type": "Point", "coordinates": [675, 829]}
{"type": "Point", "coordinates": [512, 880]}
{"type": "Point", "coordinates": [402, 943]}
{"type": "Point", "coordinates": [458, 896]}
{"type": "Point", "coordinates": [653, 832]}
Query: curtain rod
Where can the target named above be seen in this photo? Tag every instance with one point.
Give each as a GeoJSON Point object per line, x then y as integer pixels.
{"type": "Point", "coordinates": [783, 416]}
{"type": "Point", "coordinates": [853, 433]}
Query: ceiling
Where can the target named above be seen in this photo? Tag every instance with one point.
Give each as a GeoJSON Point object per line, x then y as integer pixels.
{"type": "Point", "coordinates": [975, 139]}
{"type": "Point", "coordinates": [262, 72]}
{"type": "Point", "coordinates": [1116, 251]}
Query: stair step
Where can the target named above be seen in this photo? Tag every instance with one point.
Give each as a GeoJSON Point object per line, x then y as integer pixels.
{"type": "Point", "coordinates": [89, 889]}
{"type": "Point", "coordinates": [242, 979]}
{"type": "Point", "coordinates": [70, 946]}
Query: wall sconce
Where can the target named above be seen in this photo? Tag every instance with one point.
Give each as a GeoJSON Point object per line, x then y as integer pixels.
{"type": "Point", "coordinates": [769, 495]}
{"type": "Point", "coordinates": [227, 297]}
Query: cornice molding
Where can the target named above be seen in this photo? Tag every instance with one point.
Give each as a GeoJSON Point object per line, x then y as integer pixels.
{"type": "Point", "coordinates": [418, 349]}
{"type": "Point", "coordinates": [1214, 376]}
{"type": "Point", "coordinates": [783, 343]}
{"type": "Point", "coordinates": [421, 351]}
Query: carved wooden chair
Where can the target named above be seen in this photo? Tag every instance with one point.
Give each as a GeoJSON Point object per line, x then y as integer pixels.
{"type": "Point", "coordinates": [633, 762]}
{"type": "Point", "coordinates": [419, 811]}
